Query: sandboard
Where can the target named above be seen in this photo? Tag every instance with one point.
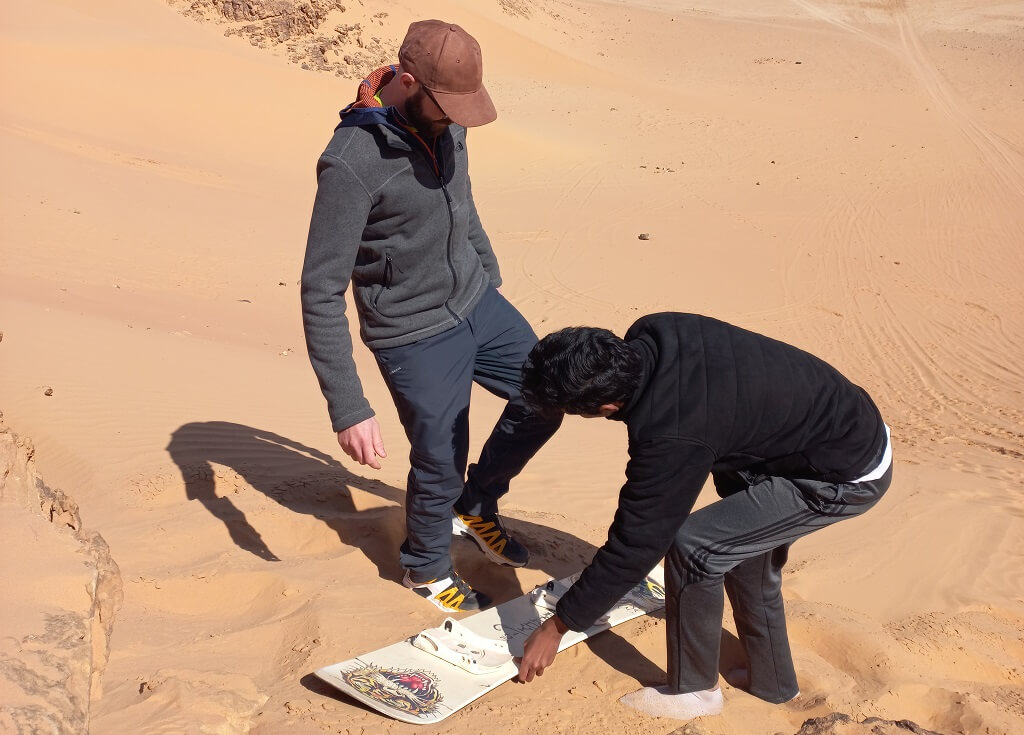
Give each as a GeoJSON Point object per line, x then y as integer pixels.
{"type": "Point", "coordinates": [409, 682]}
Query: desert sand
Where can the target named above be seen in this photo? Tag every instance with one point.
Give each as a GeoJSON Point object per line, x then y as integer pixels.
{"type": "Point", "coordinates": [184, 541]}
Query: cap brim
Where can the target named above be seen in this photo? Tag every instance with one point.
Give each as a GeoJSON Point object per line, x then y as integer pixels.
{"type": "Point", "coordinates": [468, 110]}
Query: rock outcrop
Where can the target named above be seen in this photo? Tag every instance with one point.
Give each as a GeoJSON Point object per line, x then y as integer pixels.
{"type": "Point", "coordinates": [839, 724]}
{"type": "Point", "coordinates": [61, 592]}
{"type": "Point", "coordinates": [325, 35]}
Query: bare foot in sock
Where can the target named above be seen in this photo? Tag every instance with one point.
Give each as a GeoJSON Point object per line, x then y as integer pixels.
{"type": "Point", "coordinates": [658, 702]}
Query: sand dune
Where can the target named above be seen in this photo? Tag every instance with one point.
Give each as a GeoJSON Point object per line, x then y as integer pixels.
{"type": "Point", "coordinates": [845, 176]}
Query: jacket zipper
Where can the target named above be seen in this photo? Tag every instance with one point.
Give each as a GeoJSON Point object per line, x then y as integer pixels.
{"type": "Point", "coordinates": [451, 223]}
{"type": "Point", "coordinates": [451, 232]}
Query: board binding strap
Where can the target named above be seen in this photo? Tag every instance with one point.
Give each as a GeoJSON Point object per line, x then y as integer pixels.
{"type": "Point", "coordinates": [460, 647]}
{"type": "Point", "coordinates": [546, 597]}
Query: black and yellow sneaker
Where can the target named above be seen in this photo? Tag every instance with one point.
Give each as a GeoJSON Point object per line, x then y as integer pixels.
{"type": "Point", "coordinates": [492, 538]}
{"type": "Point", "coordinates": [449, 593]}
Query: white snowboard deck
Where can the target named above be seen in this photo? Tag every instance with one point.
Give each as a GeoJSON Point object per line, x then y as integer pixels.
{"type": "Point", "coordinates": [411, 685]}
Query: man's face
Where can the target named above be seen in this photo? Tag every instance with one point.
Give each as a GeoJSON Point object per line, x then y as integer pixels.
{"type": "Point", "coordinates": [424, 114]}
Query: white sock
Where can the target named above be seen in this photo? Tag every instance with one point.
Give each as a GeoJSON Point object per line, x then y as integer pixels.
{"type": "Point", "coordinates": [659, 702]}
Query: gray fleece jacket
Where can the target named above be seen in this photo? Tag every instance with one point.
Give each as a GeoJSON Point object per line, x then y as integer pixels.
{"type": "Point", "coordinates": [393, 219]}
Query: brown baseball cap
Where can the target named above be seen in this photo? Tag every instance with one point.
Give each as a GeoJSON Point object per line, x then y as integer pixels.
{"type": "Point", "coordinates": [447, 61]}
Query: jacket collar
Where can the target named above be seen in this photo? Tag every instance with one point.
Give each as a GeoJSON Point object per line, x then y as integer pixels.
{"type": "Point", "coordinates": [647, 358]}
{"type": "Point", "coordinates": [385, 118]}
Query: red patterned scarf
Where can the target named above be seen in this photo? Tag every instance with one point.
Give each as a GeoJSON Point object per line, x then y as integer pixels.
{"type": "Point", "coordinates": [366, 95]}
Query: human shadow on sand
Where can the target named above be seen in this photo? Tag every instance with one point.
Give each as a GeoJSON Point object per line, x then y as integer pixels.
{"type": "Point", "coordinates": [300, 478]}
{"type": "Point", "coordinates": [308, 481]}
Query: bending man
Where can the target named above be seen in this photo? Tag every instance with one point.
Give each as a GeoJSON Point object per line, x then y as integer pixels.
{"type": "Point", "coordinates": [792, 446]}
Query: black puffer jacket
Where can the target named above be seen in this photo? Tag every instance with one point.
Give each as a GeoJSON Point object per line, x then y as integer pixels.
{"type": "Point", "coordinates": [715, 398]}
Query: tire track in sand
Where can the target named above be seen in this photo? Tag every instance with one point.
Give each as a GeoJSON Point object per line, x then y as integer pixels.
{"type": "Point", "coordinates": [945, 351]}
{"type": "Point", "coordinates": [1006, 164]}
{"type": "Point", "coordinates": [568, 208]}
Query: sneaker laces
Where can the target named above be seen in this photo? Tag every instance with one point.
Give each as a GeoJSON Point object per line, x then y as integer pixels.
{"type": "Point", "coordinates": [490, 529]}
{"type": "Point", "coordinates": [450, 591]}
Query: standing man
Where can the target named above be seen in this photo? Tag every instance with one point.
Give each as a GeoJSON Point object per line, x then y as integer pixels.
{"type": "Point", "coordinates": [792, 446]}
{"type": "Point", "coordinates": [394, 219]}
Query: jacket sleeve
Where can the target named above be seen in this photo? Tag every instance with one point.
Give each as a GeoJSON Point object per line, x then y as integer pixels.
{"type": "Point", "coordinates": [335, 230]}
{"type": "Point", "coordinates": [663, 479]}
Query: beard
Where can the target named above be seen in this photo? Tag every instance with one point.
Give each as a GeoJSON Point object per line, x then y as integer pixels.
{"type": "Point", "coordinates": [417, 117]}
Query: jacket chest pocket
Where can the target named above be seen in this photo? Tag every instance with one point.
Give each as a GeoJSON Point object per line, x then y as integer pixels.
{"type": "Point", "coordinates": [458, 190]}
{"type": "Point", "coordinates": [454, 168]}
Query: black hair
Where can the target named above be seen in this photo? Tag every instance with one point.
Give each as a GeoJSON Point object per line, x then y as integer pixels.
{"type": "Point", "coordinates": [577, 370]}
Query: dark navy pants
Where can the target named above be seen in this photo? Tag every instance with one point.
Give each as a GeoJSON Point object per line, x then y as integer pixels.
{"type": "Point", "coordinates": [430, 382]}
{"type": "Point", "coordinates": [741, 542]}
